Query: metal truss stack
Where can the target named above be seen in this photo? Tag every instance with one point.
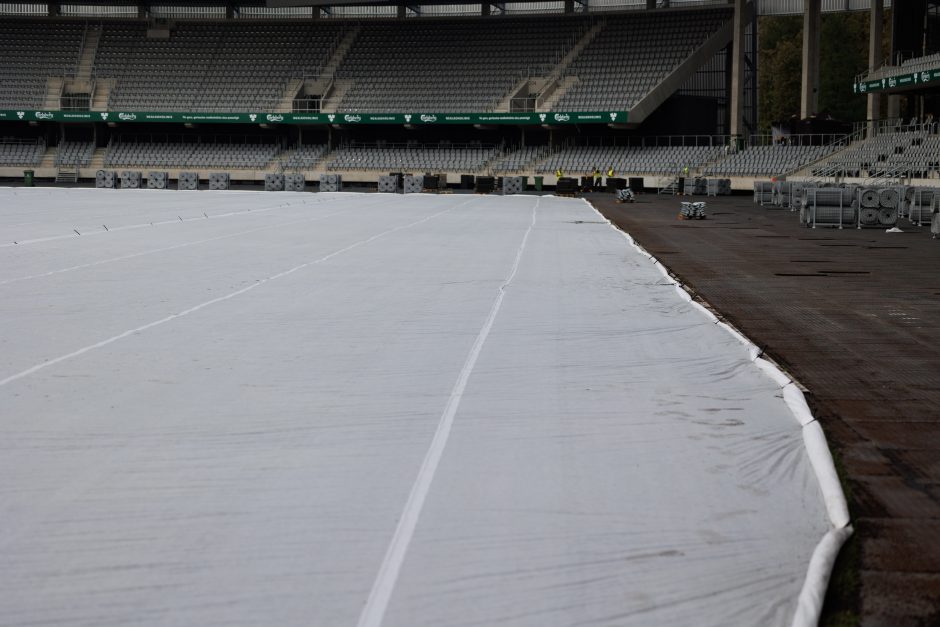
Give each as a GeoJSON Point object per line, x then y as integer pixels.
{"type": "Point", "coordinates": [331, 182]}
{"type": "Point", "coordinates": [413, 184]}
{"type": "Point", "coordinates": [388, 184]}
{"type": "Point", "coordinates": [295, 182]}
{"type": "Point", "coordinates": [157, 180]}
{"type": "Point", "coordinates": [130, 179]}
{"type": "Point", "coordinates": [220, 180]}
{"type": "Point", "coordinates": [513, 185]}
{"type": "Point", "coordinates": [273, 182]}
{"type": "Point", "coordinates": [105, 179]}
{"type": "Point", "coordinates": [188, 181]}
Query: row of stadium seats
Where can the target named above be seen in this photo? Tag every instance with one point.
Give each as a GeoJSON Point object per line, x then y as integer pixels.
{"type": "Point", "coordinates": [21, 152]}
{"type": "Point", "coordinates": [412, 158]}
{"type": "Point", "coordinates": [455, 65]}
{"type": "Point", "coordinates": [32, 52]}
{"type": "Point", "coordinates": [767, 160]}
{"type": "Point", "coordinates": [905, 153]}
{"type": "Point", "coordinates": [446, 65]}
{"type": "Point", "coordinates": [245, 155]}
{"type": "Point", "coordinates": [633, 54]}
{"type": "Point", "coordinates": [630, 159]}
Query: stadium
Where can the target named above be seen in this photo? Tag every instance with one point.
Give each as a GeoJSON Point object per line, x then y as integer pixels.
{"type": "Point", "coordinates": [556, 312]}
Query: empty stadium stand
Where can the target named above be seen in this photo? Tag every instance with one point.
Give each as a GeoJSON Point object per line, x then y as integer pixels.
{"type": "Point", "coordinates": [34, 52]}
{"type": "Point", "coordinates": [206, 67]}
{"type": "Point", "coordinates": [21, 151]}
{"type": "Point", "coordinates": [520, 159]}
{"type": "Point", "coordinates": [412, 158]}
{"type": "Point", "coordinates": [305, 156]}
{"type": "Point", "coordinates": [906, 153]}
{"type": "Point", "coordinates": [632, 54]}
{"type": "Point", "coordinates": [454, 65]}
{"type": "Point", "coordinates": [239, 155]}
{"type": "Point", "coordinates": [575, 160]}
{"type": "Point", "coordinates": [767, 160]}
{"type": "Point", "coordinates": [74, 153]}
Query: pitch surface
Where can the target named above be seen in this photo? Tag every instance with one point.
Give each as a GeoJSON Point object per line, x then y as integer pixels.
{"type": "Point", "coordinates": [328, 409]}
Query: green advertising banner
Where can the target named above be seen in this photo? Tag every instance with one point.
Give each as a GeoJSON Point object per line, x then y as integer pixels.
{"type": "Point", "coordinates": [901, 81]}
{"type": "Point", "coordinates": [118, 117]}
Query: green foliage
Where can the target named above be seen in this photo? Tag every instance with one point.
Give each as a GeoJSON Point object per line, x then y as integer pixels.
{"type": "Point", "coordinates": [843, 55]}
{"type": "Point", "coordinates": [780, 66]}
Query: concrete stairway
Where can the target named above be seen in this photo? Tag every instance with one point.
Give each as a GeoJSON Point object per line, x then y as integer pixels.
{"type": "Point", "coordinates": [560, 87]}
{"type": "Point", "coordinates": [54, 86]}
{"type": "Point", "coordinates": [286, 104]}
{"type": "Point", "coordinates": [86, 61]}
{"type": "Point", "coordinates": [547, 86]}
{"type": "Point", "coordinates": [337, 92]}
{"type": "Point", "coordinates": [102, 94]}
{"type": "Point", "coordinates": [48, 157]}
{"type": "Point", "coordinates": [331, 90]}
{"type": "Point", "coordinates": [97, 159]}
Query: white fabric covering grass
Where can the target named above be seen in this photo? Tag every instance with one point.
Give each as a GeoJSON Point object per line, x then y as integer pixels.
{"type": "Point", "coordinates": [219, 418]}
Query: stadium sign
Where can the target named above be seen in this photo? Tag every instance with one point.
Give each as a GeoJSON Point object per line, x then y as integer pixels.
{"type": "Point", "coordinates": [581, 117]}
{"type": "Point", "coordinates": [900, 81]}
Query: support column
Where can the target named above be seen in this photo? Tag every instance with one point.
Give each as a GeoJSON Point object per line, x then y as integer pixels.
{"type": "Point", "coordinates": [650, 4]}
{"type": "Point", "coordinates": [737, 73]}
{"type": "Point", "coordinates": [809, 89]}
{"type": "Point", "coordinates": [875, 54]}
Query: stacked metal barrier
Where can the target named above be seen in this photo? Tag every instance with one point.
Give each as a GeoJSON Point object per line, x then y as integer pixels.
{"type": "Point", "coordinates": [763, 192]}
{"type": "Point", "coordinates": [273, 182]}
{"type": "Point", "coordinates": [295, 182]}
{"type": "Point", "coordinates": [157, 180]}
{"type": "Point", "coordinates": [796, 195]}
{"type": "Point", "coordinates": [869, 206]}
{"type": "Point", "coordinates": [130, 179]}
{"type": "Point", "coordinates": [388, 184]}
{"type": "Point", "coordinates": [105, 179]}
{"type": "Point", "coordinates": [513, 185]}
{"type": "Point", "coordinates": [220, 180]}
{"type": "Point", "coordinates": [829, 206]}
{"type": "Point", "coordinates": [935, 216]}
{"type": "Point", "coordinates": [331, 182]}
{"type": "Point", "coordinates": [188, 181]}
{"type": "Point", "coordinates": [413, 184]}
{"type": "Point", "coordinates": [920, 206]}
{"type": "Point", "coordinates": [782, 192]}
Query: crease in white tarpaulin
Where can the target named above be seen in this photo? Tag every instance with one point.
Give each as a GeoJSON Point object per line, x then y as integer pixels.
{"type": "Point", "coordinates": [373, 613]}
{"type": "Point", "coordinates": [813, 593]}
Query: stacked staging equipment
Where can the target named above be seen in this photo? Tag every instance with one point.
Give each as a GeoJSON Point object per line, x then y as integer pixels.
{"type": "Point", "coordinates": [188, 181]}
{"type": "Point", "coordinates": [130, 179]}
{"type": "Point", "coordinates": [513, 185]}
{"type": "Point", "coordinates": [413, 184]}
{"type": "Point", "coordinates": [388, 184]}
{"type": "Point", "coordinates": [105, 179]}
{"type": "Point", "coordinates": [295, 182]}
{"type": "Point", "coordinates": [273, 182]}
{"type": "Point", "coordinates": [220, 180]}
{"type": "Point", "coordinates": [157, 180]}
{"type": "Point", "coordinates": [331, 182]}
